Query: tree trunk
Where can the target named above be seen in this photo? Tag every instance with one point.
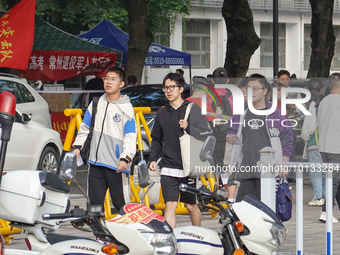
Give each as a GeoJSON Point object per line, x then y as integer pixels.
{"type": "Point", "coordinates": [242, 38]}
{"type": "Point", "coordinates": [323, 38]}
{"type": "Point", "coordinates": [140, 37]}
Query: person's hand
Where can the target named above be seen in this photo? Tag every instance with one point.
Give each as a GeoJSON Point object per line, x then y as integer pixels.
{"type": "Point", "coordinates": [284, 171]}
{"type": "Point", "coordinates": [218, 110]}
{"type": "Point", "coordinates": [121, 166]}
{"type": "Point", "coordinates": [183, 124]}
{"type": "Point", "coordinates": [152, 166]}
{"type": "Point", "coordinates": [77, 152]}
{"type": "Point", "coordinates": [231, 139]}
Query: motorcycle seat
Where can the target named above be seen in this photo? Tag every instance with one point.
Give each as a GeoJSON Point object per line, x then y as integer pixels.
{"type": "Point", "coordinates": [56, 238]}
{"type": "Point", "coordinates": [51, 181]}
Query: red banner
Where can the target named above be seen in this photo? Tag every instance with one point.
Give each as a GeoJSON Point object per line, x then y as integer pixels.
{"type": "Point", "coordinates": [61, 65]}
{"type": "Point", "coordinates": [60, 123]}
{"type": "Point", "coordinates": [16, 35]}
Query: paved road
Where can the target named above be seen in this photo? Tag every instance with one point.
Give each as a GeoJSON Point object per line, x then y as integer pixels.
{"type": "Point", "coordinates": [314, 231]}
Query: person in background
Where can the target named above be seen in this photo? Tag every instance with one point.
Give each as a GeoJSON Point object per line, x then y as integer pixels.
{"type": "Point", "coordinates": [168, 127]}
{"type": "Point", "coordinates": [222, 149]}
{"type": "Point", "coordinates": [180, 71]}
{"type": "Point", "coordinates": [132, 80]}
{"type": "Point", "coordinates": [93, 84]}
{"type": "Point", "coordinates": [328, 122]}
{"type": "Point", "coordinates": [259, 132]}
{"type": "Point", "coordinates": [310, 134]}
{"type": "Point", "coordinates": [283, 76]}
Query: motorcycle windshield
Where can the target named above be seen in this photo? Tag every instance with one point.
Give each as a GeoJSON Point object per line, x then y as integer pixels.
{"type": "Point", "coordinates": [139, 213]}
{"type": "Point", "coordinates": [263, 207]}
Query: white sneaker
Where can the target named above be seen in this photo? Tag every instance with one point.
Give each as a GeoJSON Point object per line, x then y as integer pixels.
{"type": "Point", "coordinates": [321, 202]}
{"type": "Point", "coordinates": [316, 202]}
{"type": "Point", "coordinates": [323, 218]}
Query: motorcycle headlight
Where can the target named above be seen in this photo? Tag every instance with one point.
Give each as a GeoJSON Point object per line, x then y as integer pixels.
{"type": "Point", "coordinates": [164, 244]}
{"type": "Point", "coordinates": [279, 234]}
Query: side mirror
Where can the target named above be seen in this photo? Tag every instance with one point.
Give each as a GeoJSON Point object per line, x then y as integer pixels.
{"type": "Point", "coordinates": [208, 148]}
{"type": "Point", "coordinates": [25, 118]}
{"type": "Point", "coordinates": [143, 174]}
{"type": "Point", "coordinates": [68, 167]}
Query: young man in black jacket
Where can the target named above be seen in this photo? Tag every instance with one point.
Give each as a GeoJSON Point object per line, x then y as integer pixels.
{"type": "Point", "coordinates": [169, 125]}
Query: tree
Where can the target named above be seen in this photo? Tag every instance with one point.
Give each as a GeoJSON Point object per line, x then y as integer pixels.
{"type": "Point", "coordinates": [242, 38]}
{"type": "Point", "coordinates": [145, 18]}
{"type": "Point", "coordinates": [323, 38]}
{"type": "Point", "coordinates": [140, 37]}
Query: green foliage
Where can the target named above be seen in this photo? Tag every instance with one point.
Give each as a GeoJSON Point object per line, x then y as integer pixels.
{"type": "Point", "coordinates": [163, 13]}
{"type": "Point", "coordinates": [84, 14]}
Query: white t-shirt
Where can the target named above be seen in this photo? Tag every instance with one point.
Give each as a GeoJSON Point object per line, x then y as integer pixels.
{"type": "Point", "coordinates": [328, 121]}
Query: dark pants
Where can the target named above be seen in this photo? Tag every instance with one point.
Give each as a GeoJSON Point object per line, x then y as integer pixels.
{"type": "Point", "coordinates": [100, 179]}
{"type": "Point", "coordinates": [249, 186]}
{"type": "Point", "coordinates": [333, 158]}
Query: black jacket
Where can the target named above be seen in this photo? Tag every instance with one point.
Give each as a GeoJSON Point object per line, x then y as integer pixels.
{"type": "Point", "coordinates": [166, 132]}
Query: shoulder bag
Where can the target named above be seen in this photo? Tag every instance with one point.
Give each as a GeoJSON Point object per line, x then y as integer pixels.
{"type": "Point", "coordinates": [284, 200]}
{"type": "Point", "coordinates": [85, 150]}
{"type": "Point", "coordinates": [190, 152]}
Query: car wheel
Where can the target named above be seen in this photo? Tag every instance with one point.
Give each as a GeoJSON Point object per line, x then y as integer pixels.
{"type": "Point", "coordinates": [49, 160]}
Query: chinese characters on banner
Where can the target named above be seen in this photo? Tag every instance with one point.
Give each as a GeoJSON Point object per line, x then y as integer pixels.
{"type": "Point", "coordinates": [61, 65]}
{"type": "Point", "coordinates": [16, 39]}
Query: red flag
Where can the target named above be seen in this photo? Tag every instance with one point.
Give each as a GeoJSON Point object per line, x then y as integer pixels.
{"type": "Point", "coordinates": [17, 34]}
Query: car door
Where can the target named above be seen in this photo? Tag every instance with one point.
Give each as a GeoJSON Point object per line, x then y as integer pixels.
{"type": "Point", "coordinates": [22, 150]}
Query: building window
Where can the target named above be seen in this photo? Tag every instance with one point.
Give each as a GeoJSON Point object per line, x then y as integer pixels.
{"type": "Point", "coordinates": [197, 42]}
{"type": "Point", "coordinates": [335, 65]}
{"type": "Point", "coordinates": [266, 47]}
{"type": "Point", "coordinates": [307, 46]}
{"type": "Point", "coordinates": [163, 38]}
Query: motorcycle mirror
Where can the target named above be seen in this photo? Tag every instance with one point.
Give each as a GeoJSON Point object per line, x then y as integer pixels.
{"type": "Point", "coordinates": [68, 167]}
{"type": "Point", "coordinates": [143, 174]}
{"type": "Point", "coordinates": [208, 148]}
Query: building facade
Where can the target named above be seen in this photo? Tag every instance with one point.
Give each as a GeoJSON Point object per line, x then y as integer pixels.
{"type": "Point", "coordinates": [205, 38]}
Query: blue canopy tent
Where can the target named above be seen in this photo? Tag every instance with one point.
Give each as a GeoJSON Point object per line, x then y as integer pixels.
{"type": "Point", "coordinates": [105, 33]}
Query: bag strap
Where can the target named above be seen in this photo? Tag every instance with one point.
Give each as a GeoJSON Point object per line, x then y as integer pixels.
{"type": "Point", "coordinates": [94, 111]}
{"type": "Point", "coordinates": [187, 111]}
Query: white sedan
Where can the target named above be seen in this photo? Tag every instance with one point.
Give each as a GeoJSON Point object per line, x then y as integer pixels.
{"type": "Point", "coordinates": [32, 146]}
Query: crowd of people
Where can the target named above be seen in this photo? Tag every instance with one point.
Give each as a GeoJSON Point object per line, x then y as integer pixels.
{"type": "Point", "coordinates": [238, 143]}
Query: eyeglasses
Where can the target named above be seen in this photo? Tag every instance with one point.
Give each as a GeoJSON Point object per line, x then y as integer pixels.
{"type": "Point", "coordinates": [169, 88]}
{"type": "Point", "coordinates": [255, 88]}
{"type": "Point", "coordinates": [108, 78]}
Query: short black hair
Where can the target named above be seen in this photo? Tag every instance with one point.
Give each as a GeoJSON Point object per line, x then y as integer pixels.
{"type": "Point", "coordinates": [282, 72]}
{"type": "Point", "coordinates": [176, 77]}
{"type": "Point", "coordinates": [261, 79]}
{"type": "Point", "coordinates": [131, 79]}
{"type": "Point", "coordinates": [220, 75]}
{"type": "Point", "coordinates": [118, 71]}
{"type": "Point", "coordinates": [180, 71]}
{"type": "Point", "coordinates": [334, 79]}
